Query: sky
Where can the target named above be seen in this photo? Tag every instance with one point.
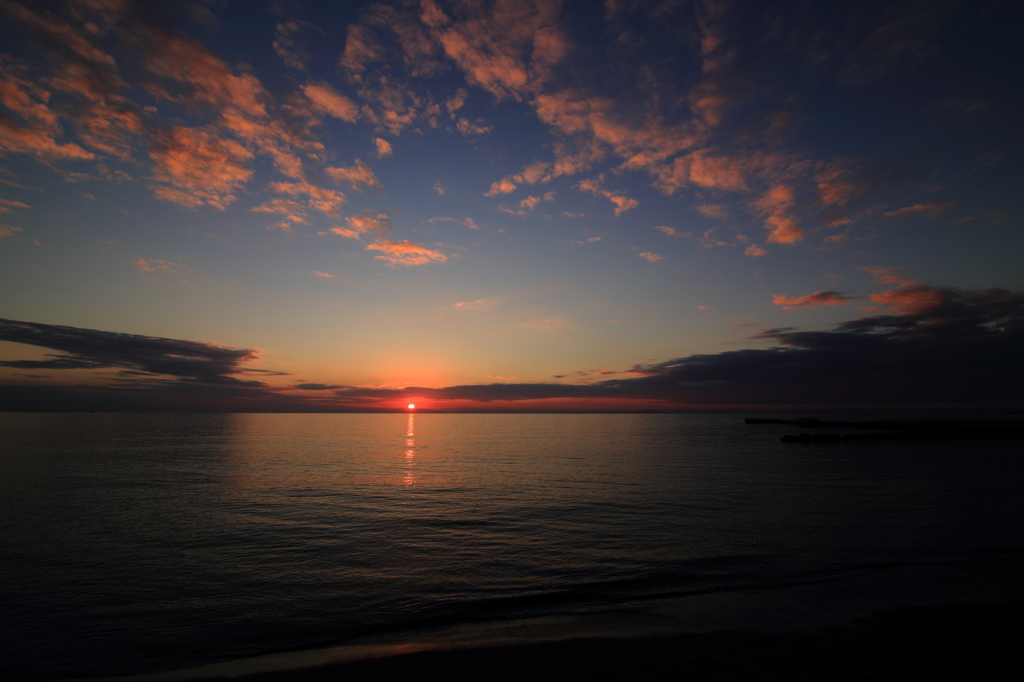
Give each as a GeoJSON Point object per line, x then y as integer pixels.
{"type": "Point", "coordinates": [510, 205]}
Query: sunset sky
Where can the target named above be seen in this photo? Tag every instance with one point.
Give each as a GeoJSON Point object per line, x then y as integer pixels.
{"type": "Point", "coordinates": [295, 205]}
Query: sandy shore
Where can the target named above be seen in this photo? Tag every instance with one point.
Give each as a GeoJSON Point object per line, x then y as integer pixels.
{"type": "Point", "coordinates": [963, 642]}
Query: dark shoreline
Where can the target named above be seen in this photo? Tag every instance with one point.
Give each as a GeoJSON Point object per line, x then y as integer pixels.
{"type": "Point", "coordinates": [951, 642]}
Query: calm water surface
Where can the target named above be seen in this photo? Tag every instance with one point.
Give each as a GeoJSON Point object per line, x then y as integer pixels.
{"type": "Point", "coordinates": [141, 543]}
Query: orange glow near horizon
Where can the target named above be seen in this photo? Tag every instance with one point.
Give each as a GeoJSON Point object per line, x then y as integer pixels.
{"type": "Point", "coordinates": [411, 406]}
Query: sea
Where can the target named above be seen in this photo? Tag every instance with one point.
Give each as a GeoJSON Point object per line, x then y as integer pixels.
{"type": "Point", "coordinates": [177, 545]}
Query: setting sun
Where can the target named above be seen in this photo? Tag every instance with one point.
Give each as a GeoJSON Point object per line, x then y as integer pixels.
{"type": "Point", "coordinates": [411, 406]}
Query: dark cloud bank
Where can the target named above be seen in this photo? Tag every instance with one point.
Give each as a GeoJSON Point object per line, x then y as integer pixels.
{"type": "Point", "coordinates": [945, 347]}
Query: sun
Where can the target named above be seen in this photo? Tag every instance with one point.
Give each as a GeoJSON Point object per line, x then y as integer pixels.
{"type": "Point", "coordinates": [411, 406]}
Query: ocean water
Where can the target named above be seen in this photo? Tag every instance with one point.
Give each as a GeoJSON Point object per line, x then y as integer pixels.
{"type": "Point", "coordinates": [141, 543]}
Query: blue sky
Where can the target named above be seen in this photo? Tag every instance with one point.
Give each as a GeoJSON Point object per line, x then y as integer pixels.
{"type": "Point", "coordinates": [388, 201]}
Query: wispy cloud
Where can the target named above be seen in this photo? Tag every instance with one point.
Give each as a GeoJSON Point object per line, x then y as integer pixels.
{"type": "Point", "coordinates": [815, 300]}
{"type": "Point", "coordinates": [405, 253]}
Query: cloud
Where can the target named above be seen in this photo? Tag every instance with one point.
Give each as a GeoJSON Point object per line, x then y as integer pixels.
{"type": "Point", "coordinates": [954, 347]}
{"type": "Point", "coordinates": [405, 253]}
{"type": "Point", "coordinates": [885, 275]}
{"type": "Point", "coordinates": [326, 201]}
{"type": "Point", "coordinates": [753, 250]}
{"type": "Point", "coordinates": [6, 205]}
{"type": "Point", "coordinates": [187, 361]}
{"type": "Point", "coordinates": [324, 99]}
{"type": "Point", "coordinates": [8, 230]}
{"type": "Point", "coordinates": [479, 304]}
{"type": "Point", "coordinates": [365, 222]}
{"type": "Point", "coordinates": [781, 225]}
{"type": "Point", "coordinates": [713, 211]}
{"type": "Point", "coordinates": [468, 222]}
{"type": "Point", "coordinates": [383, 147]}
{"type": "Point", "coordinates": [316, 387]}
{"type": "Point", "coordinates": [621, 201]}
{"type": "Point", "coordinates": [323, 274]}
{"type": "Point", "coordinates": [653, 257]}
{"type": "Point", "coordinates": [815, 300]}
{"type": "Point", "coordinates": [152, 264]}
{"type": "Point", "coordinates": [959, 351]}
{"type": "Point", "coordinates": [503, 186]}
{"type": "Point", "coordinates": [287, 47]}
{"type": "Point", "coordinates": [467, 127]}
{"type": "Point", "coordinates": [930, 210]}
{"type": "Point", "coordinates": [508, 49]}
{"type": "Point", "coordinates": [204, 166]}
{"type": "Point", "coordinates": [357, 175]}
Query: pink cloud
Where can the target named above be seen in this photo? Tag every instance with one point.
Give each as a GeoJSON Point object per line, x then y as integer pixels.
{"type": "Point", "coordinates": [383, 147]}
{"type": "Point", "coordinates": [621, 201]}
{"type": "Point", "coordinates": [324, 99]}
{"type": "Point", "coordinates": [8, 230]}
{"type": "Point", "coordinates": [479, 304]}
{"type": "Point", "coordinates": [326, 201]}
{"type": "Point", "coordinates": [293, 212]}
{"type": "Point", "coordinates": [885, 275]}
{"type": "Point", "coordinates": [405, 253]}
{"type": "Point", "coordinates": [19, 140]}
{"type": "Point", "coordinates": [467, 127]}
{"type": "Point", "coordinates": [754, 250]}
{"type": "Point", "coordinates": [930, 210]}
{"type": "Point", "coordinates": [670, 231]}
{"type": "Point", "coordinates": [912, 298]}
{"type": "Point", "coordinates": [153, 265]}
{"type": "Point", "coordinates": [781, 225]}
{"type": "Point", "coordinates": [713, 211]}
{"type": "Point", "coordinates": [359, 174]}
{"type": "Point", "coordinates": [653, 257]}
{"type": "Point", "coordinates": [365, 222]}
{"type": "Point", "coordinates": [816, 300]}
{"type": "Point", "coordinates": [6, 205]}
{"type": "Point", "coordinates": [323, 274]}
{"type": "Point", "coordinates": [201, 162]}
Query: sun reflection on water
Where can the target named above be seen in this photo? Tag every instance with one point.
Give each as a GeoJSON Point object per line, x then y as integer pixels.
{"type": "Point", "coordinates": [410, 453]}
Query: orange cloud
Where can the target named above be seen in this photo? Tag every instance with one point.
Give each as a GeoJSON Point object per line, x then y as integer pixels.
{"type": "Point", "coordinates": [359, 174]}
{"type": "Point", "coordinates": [816, 300]}
{"type": "Point", "coordinates": [383, 148]}
{"type": "Point", "coordinates": [190, 74]}
{"type": "Point", "coordinates": [18, 140]}
{"type": "Point", "coordinates": [8, 230]}
{"type": "Point", "coordinates": [201, 164]}
{"type": "Point", "coordinates": [405, 253]}
{"type": "Point", "coordinates": [781, 225]}
{"type": "Point", "coordinates": [467, 127]}
{"type": "Point", "coordinates": [621, 201]}
{"type": "Point", "coordinates": [6, 205]}
{"type": "Point", "coordinates": [653, 257]}
{"type": "Point", "coordinates": [911, 298]}
{"type": "Point", "coordinates": [507, 49]}
{"type": "Point", "coordinates": [364, 222]}
{"type": "Point", "coordinates": [292, 211]}
{"type": "Point", "coordinates": [713, 211]}
{"type": "Point", "coordinates": [324, 98]}
{"type": "Point", "coordinates": [670, 231]}
{"type": "Point", "coordinates": [325, 201]}
{"type": "Point", "coordinates": [323, 274]}
{"type": "Point", "coordinates": [754, 250]}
